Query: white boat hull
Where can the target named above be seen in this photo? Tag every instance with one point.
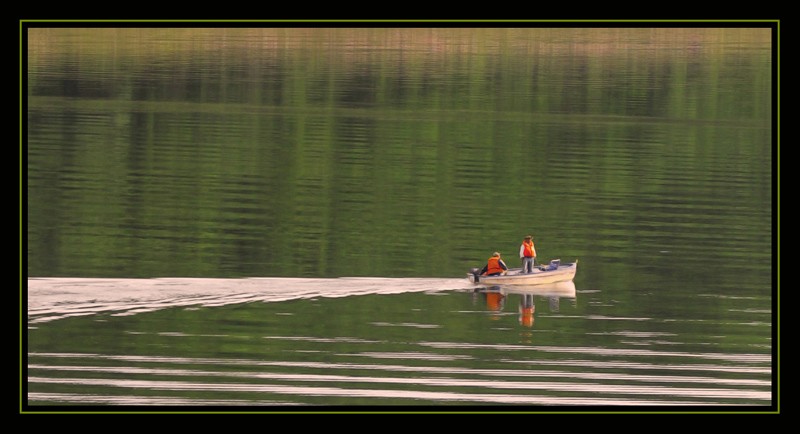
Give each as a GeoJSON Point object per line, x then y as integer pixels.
{"type": "Point", "coordinates": [514, 276]}
{"type": "Point", "coordinates": [564, 289]}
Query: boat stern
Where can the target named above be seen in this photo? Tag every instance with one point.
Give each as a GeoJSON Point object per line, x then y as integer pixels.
{"type": "Point", "coordinates": [474, 275]}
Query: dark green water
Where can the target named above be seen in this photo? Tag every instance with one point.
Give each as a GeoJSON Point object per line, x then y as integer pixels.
{"type": "Point", "coordinates": [408, 154]}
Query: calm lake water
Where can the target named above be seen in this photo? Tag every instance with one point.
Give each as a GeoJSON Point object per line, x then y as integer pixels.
{"type": "Point", "coordinates": [283, 218]}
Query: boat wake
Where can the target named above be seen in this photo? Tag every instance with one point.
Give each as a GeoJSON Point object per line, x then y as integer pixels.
{"type": "Point", "coordinates": [57, 298]}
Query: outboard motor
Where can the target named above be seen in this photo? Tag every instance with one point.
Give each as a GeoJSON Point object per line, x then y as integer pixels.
{"type": "Point", "coordinates": [477, 273]}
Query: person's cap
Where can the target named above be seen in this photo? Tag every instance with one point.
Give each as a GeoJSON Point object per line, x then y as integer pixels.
{"type": "Point", "coordinates": [528, 237]}
{"type": "Point", "coordinates": [496, 254]}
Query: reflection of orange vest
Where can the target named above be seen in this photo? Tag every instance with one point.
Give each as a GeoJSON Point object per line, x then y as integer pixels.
{"type": "Point", "coordinates": [526, 316]}
{"type": "Point", "coordinates": [494, 266]}
{"type": "Point", "coordinates": [493, 300]}
{"type": "Point", "coordinates": [528, 251]}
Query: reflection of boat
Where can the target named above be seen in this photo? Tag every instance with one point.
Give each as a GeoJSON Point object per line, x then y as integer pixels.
{"type": "Point", "coordinates": [558, 289]}
{"type": "Point", "coordinates": [552, 273]}
{"type": "Point", "coordinates": [496, 296]}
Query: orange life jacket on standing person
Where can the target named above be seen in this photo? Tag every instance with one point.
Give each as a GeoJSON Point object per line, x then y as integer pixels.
{"type": "Point", "coordinates": [494, 265]}
{"type": "Point", "coordinates": [529, 251]}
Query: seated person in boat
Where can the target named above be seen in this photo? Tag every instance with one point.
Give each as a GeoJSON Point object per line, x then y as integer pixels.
{"type": "Point", "coordinates": [494, 266]}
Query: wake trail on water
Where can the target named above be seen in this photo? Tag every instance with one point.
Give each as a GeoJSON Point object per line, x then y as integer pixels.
{"type": "Point", "coordinates": [52, 298]}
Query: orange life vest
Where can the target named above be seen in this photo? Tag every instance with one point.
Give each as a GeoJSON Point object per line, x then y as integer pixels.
{"type": "Point", "coordinates": [494, 266]}
{"type": "Point", "coordinates": [529, 251]}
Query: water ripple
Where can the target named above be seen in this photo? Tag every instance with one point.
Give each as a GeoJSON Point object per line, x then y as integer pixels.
{"type": "Point", "coordinates": [747, 358]}
{"type": "Point", "coordinates": [394, 394]}
{"type": "Point", "coordinates": [617, 388]}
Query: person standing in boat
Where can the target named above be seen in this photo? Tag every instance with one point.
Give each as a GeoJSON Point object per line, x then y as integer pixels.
{"type": "Point", "coordinates": [494, 266]}
{"type": "Point", "coordinates": [527, 253]}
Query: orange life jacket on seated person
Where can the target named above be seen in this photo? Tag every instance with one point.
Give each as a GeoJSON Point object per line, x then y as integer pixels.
{"type": "Point", "coordinates": [494, 266]}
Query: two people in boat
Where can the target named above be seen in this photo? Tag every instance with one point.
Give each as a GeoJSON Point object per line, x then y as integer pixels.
{"type": "Point", "coordinates": [527, 254]}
